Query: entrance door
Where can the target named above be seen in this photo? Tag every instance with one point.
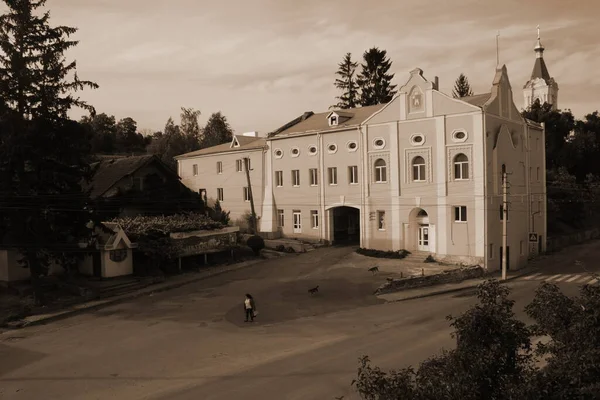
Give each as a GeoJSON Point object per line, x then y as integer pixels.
{"type": "Point", "coordinates": [297, 221]}
{"type": "Point", "coordinates": [423, 238]}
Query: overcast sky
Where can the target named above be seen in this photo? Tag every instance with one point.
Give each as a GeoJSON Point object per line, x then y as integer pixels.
{"type": "Point", "coordinates": [264, 62]}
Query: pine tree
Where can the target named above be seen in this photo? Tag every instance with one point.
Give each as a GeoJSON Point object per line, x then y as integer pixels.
{"type": "Point", "coordinates": [44, 212]}
{"type": "Point", "coordinates": [217, 131]}
{"type": "Point", "coordinates": [347, 83]}
{"type": "Point", "coordinates": [462, 87]}
{"type": "Point", "coordinates": [374, 81]}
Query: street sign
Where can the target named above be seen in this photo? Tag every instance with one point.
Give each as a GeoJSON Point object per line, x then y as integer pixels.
{"type": "Point", "coordinates": [533, 237]}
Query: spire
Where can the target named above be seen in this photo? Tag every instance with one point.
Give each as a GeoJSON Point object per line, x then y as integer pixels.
{"type": "Point", "coordinates": [539, 68]}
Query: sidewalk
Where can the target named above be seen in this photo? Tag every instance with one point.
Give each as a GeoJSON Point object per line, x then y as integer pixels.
{"type": "Point", "coordinates": [172, 283]}
{"type": "Point", "coordinates": [428, 291]}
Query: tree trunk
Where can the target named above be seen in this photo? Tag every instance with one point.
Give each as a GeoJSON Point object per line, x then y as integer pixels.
{"type": "Point", "coordinates": [35, 270]}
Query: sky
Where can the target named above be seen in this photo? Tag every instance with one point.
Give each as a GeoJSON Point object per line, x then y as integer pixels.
{"type": "Point", "coordinates": [262, 63]}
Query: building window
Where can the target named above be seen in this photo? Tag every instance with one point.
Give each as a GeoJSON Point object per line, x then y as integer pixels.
{"type": "Point", "coordinates": [314, 180]}
{"type": "Point", "coordinates": [418, 169]}
{"type": "Point", "coordinates": [297, 220]}
{"type": "Point", "coordinates": [381, 220]}
{"type": "Point", "coordinates": [380, 171]}
{"type": "Point", "coordinates": [460, 214]}
{"type": "Point", "coordinates": [333, 120]}
{"type": "Point", "coordinates": [353, 175]}
{"type": "Point", "coordinates": [314, 218]}
{"type": "Point", "coordinates": [332, 174]}
{"type": "Point", "coordinates": [117, 255]}
{"type": "Point", "coordinates": [279, 178]}
{"type": "Point", "coordinates": [459, 136]}
{"type": "Point", "coordinates": [352, 146]}
{"type": "Point", "coordinates": [461, 167]}
{"type": "Point", "coordinates": [219, 167]}
{"type": "Point", "coordinates": [278, 153]}
{"type": "Point", "coordinates": [417, 140]}
{"type": "Point", "coordinates": [295, 177]}
{"type": "Point", "coordinates": [295, 152]}
{"type": "Point", "coordinates": [312, 149]}
{"type": "Point", "coordinates": [332, 148]}
{"type": "Point", "coordinates": [491, 251]}
{"type": "Point", "coordinates": [378, 143]}
{"type": "Point", "coordinates": [195, 169]}
{"type": "Point", "coordinates": [521, 248]}
{"type": "Point", "coordinates": [239, 165]}
{"type": "Point", "coordinates": [246, 194]}
{"type": "Point", "coordinates": [281, 218]}
{"type": "Point", "coordinates": [220, 194]}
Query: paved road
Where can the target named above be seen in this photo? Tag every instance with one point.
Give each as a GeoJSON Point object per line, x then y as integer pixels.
{"type": "Point", "coordinates": [190, 344]}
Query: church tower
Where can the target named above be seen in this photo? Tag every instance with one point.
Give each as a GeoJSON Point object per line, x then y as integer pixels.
{"type": "Point", "coordinates": [540, 86]}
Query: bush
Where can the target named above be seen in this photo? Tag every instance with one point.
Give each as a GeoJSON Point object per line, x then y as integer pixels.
{"type": "Point", "coordinates": [429, 259]}
{"type": "Point", "coordinates": [142, 225]}
{"type": "Point", "coordinates": [383, 254]}
{"type": "Point", "coordinates": [280, 248]}
{"type": "Point", "coordinates": [256, 243]}
{"type": "Point", "coordinates": [216, 213]}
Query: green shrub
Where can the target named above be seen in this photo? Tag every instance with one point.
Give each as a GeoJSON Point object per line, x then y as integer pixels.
{"type": "Point", "coordinates": [256, 243]}
{"type": "Point", "coordinates": [383, 254]}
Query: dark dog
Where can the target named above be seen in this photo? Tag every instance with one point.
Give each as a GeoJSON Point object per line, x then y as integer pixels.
{"type": "Point", "coordinates": [314, 290]}
{"type": "Point", "coordinates": [374, 269]}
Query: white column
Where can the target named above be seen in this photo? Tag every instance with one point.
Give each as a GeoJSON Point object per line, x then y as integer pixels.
{"type": "Point", "coordinates": [394, 182]}
{"type": "Point", "coordinates": [441, 183]}
{"type": "Point", "coordinates": [365, 211]}
{"type": "Point", "coordinates": [478, 176]}
{"type": "Point", "coordinates": [322, 174]}
{"type": "Point", "coordinates": [267, 220]}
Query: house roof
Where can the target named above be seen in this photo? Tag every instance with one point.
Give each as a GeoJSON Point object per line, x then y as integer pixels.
{"type": "Point", "coordinates": [246, 143]}
{"type": "Point", "coordinates": [478, 99]}
{"type": "Point", "coordinates": [109, 172]}
{"type": "Point", "coordinates": [318, 122]}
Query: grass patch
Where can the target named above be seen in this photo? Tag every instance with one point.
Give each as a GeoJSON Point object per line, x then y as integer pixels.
{"type": "Point", "coordinates": [383, 254]}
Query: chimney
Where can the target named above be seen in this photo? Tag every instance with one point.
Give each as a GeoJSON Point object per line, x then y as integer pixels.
{"type": "Point", "coordinates": [250, 134]}
{"type": "Point", "coordinates": [436, 83]}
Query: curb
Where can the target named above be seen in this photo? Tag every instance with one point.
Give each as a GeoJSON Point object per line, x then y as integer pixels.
{"type": "Point", "coordinates": [459, 289]}
{"type": "Point", "coordinates": [125, 297]}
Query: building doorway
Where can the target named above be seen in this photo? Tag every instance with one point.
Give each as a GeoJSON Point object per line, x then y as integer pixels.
{"type": "Point", "coordinates": [346, 225]}
{"type": "Point", "coordinates": [423, 238]}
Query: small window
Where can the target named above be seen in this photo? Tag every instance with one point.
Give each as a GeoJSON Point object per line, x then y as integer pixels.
{"type": "Point", "coordinates": [219, 167]}
{"type": "Point", "coordinates": [381, 220]}
{"type": "Point", "coordinates": [220, 194]}
{"type": "Point", "coordinates": [295, 177]}
{"type": "Point", "coordinates": [491, 251]}
{"type": "Point", "coordinates": [333, 120]}
{"type": "Point", "coordinates": [332, 148]}
{"type": "Point", "coordinates": [278, 153]}
{"type": "Point", "coordinates": [118, 255]}
{"type": "Point", "coordinates": [195, 169]}
{"type": "Point", "coordinates": [460, 214]}
{"type": "Point", "coordinates": [378, 143]}
{"type": "Point", "coordinates": [239, 165]}
{"type": "Point", "coordinates": [459, 136]}
{"type": "Point", "coordinates": [352, 146]}
{"type": "Point", "coordinates": [314, 180]}
{"type": "Point", "coordinates": [461, 167]}
{"type": "Point", "coordinates": [417, 140]}
{"type": "Point", "coordinates": [295, 152]}
{"type": "Point", "coordinates": [418, 169]}
{"type": "Point", "coordinates": [312, 150]}
{"type": "Point", "coordinates": [246, 194]}
{"type": "Point", "coordinates": [281, 218]}
{"type": "Point", "coordinates": [314, 218]}
{"type": "Point", "coordinates": [380, 171]}
{"type": "Point", "coordinates": [279, 178]}
{"type": "Point", "coordinates": [353, 174]}
{"type": "Point", "coordinates": [332, 174]}
{"type": "Point", "coordinates": [297, 221]}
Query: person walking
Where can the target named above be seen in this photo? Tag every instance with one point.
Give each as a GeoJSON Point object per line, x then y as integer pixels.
{"type": "Point", "coordinates": [249, 308]}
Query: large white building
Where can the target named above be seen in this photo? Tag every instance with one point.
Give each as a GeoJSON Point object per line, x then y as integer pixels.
{"type": "Point", "coordinates": [421, 173]}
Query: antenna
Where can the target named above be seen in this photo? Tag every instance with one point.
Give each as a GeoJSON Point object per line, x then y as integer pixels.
{"type": "Point", "coordinates": [497, 49]}
{"type": "Point", "coordinates": [538, 28]}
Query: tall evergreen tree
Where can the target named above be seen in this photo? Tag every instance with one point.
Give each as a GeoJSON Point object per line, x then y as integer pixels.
{"type": "Point", "coordinates": [44, 212]}
{"type": "Point", "coordinates": [217, 131]}
{"type": "Point", "coordinates": [374, 81]}
{"type": "Point", "coordinates": [462, 87]}
{"type": "Point", "coordinates": [347, 84]}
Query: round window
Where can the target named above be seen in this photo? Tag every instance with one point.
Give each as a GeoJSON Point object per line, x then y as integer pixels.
{"type": "Point", "coordinates": [278, 153]}
{"type": "Point", "coordinates": [418, 139]}
{"type": "Point", "coordinates": [352, 145]}
{"type": "Point", "coordinates": [312, 149]}
{"type": "Point", "coordinates": [459, 135]}
{"type": "Point", "coordinates": [332, 147]}
{"type": "Point", "coordinates": [295, 152]}
{"type": "Point", "coordinates": [379, 142]}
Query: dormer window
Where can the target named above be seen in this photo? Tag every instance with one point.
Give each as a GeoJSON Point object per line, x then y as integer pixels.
{"type": "Point", "coordinates": [333, 120]}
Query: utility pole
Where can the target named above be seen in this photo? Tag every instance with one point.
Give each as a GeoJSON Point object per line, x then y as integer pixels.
{"type": "Point", "coordinates": [504, 226]}
{"type": "Point", "coordinates": [247, 164]}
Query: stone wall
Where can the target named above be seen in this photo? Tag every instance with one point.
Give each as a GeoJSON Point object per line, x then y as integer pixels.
{"type": "Point", "coordinates": [449, 276]}
{"type": "Point", "coordinates": [557, 243]}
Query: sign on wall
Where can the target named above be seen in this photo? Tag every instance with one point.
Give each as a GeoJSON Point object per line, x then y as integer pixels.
{"type": "Point", "coordinates": [533, 237]}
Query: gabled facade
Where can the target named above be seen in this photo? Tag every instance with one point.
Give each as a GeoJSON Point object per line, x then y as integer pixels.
{"type": "Point", "coordinates": [218, 173]}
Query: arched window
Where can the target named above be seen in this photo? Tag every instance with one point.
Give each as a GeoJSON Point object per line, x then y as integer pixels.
{"type": "Point", "coordinates": [380, 171]}
{"type": "Point", "coordinates": [418, 169]}
{"type": "Point", "coordinates": [461, 167]}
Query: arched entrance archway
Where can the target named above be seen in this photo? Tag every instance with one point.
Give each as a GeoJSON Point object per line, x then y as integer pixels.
{"type": "Point", "coordinates": [345, 225]}
{"type": "Point", "coordinates": [420, 230]}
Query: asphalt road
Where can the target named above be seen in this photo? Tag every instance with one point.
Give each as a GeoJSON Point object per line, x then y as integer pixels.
{"type": "Point", "coordinates": [190, 343]}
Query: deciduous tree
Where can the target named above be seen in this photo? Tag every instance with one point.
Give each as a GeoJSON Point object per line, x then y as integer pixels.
{"type": "Point", "coordinates": [216, 131]}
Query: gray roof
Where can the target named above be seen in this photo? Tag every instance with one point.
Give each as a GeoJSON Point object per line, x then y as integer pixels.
{"type": "Point", "coordinates": [478, 99]}
{"type": "Point", "coordinates": [540, 70]}
{"type": "Point", "coordinates": [319, 123]}
{"type": "Point", "coordinates": [246, 143]}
